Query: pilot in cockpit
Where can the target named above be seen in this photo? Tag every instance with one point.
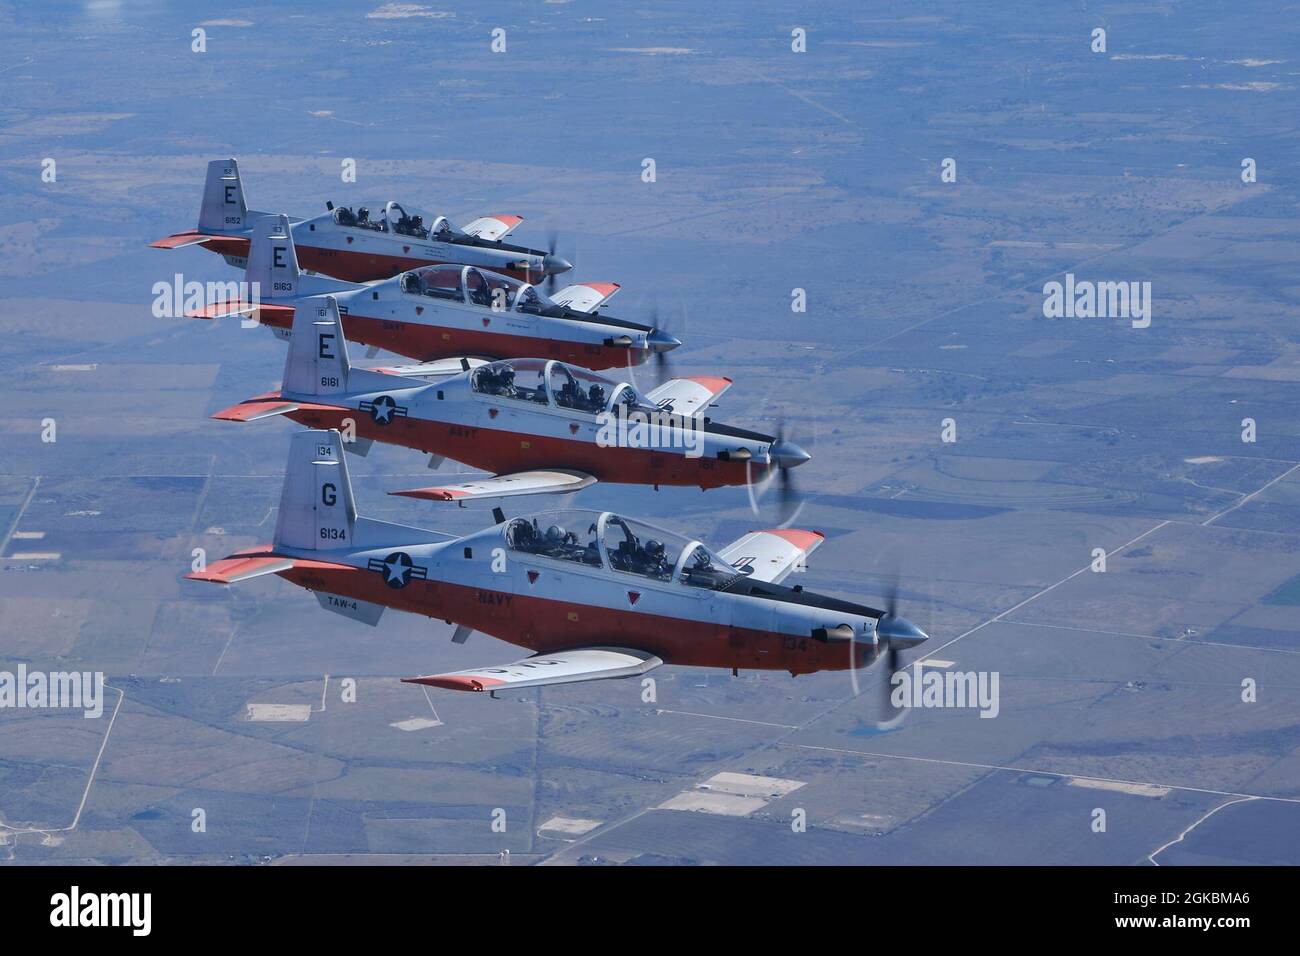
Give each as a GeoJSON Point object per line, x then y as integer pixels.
{"type": "Point", "coordinates": [567, 396]}
{"type": "Point", "coordinates": [500, 381]}
{"type": "Point", "coordinates": [596, 398]}
{"type": "Point", "coordinates": [529, 301]}
{"type": "Point", "coordinates": [653, 561]}
{"type": "Point", "coordinates": [479, 291]}
{"type": "Point", "coordinates": [701, 572]}
{"type": "Point", "coordinates": [558, 541]}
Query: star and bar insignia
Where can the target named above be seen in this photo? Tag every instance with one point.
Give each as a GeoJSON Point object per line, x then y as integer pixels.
{"type": "Point", "coordinates": [398, 569]}
{"type": "Point", "coordinates": [383, 409]}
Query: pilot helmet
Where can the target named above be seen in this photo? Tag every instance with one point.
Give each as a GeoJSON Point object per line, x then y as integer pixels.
{"type": "Point", "coordinates": [555, 533]}
{"type": "Point", "coordinates": [654, 548]}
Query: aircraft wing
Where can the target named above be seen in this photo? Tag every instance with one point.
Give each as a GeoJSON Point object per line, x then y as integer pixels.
{"type": "Point", "coordinates": [439, 368]}
{"type": "Point", "coordinates": [492, 228]}
{"type": "Point", "coordinates": [554, 482]}
{"type": "Point", "coordinates": [771, 555]}
{"type": "Point", "coordinates": [689, 396]}
{"type": "Point", "coordinates": [541, 670]}
{"type": "Point", "coordinates": [585, 296]}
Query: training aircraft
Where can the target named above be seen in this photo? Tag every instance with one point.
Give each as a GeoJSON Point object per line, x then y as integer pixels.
{"type": "Point", "coordinates": [361, 243]}
{"type": "Point", "coordinates": [445, 311]}
{"type": "Point", "coordinates": [539, 426]}
{"type": "Point", "coordinates": [594, 595]}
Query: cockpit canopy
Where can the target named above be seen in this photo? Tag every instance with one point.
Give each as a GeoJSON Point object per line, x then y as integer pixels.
{"type": "Point", "coordinates": [609, 541]}
{"type": "Point", "coordinates": [558, 384]}
{"type": "Point", "coordinates": [394, 218]}
{"type": "Point", "coordinates": [476, 287]}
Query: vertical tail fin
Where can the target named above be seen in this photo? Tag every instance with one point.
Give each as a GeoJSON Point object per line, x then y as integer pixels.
{"type": "Point", "coordinates": [317, 511]}
{"type": "Point", "coordinates": [317, 363]}
{"type": "Point", "coordinates": [223, 209]}
{"type": "Point", "coordinates": [272, 258]}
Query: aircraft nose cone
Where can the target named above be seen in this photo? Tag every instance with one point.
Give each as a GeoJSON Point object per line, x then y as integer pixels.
{"type": "Point", "coordinates": [553, 265]}
{"type": "Point", "coordinates": [900, 631]}
{"type": "Point", "coordinates": [786, 454]}
{"type": "Point", "coordinates": [661, 341]}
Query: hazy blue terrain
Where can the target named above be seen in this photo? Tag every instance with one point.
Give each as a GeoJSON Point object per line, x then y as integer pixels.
{"type": "Point", "coordinates": [776, 170]}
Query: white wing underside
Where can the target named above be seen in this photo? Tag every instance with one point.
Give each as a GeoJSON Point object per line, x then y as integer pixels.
{"type": "Point", "coordinates": [543, 670]}
{"type": "Point", "coordinates": [585, 296]}
{"type": "Point", "coordinates": [772, 555]}
{"type": "Point", "coordinates": [553, 482]}
{"type": "Point", "coordinates": [491, 228]}
{"type": "Point", "coordinates": [689, 396]}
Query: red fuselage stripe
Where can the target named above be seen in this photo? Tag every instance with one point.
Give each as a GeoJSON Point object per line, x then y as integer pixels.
{"type": "Point", "coordinates": [546, 625]}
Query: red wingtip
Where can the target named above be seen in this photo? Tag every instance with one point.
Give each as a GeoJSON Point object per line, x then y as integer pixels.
{"type": "Point", "coordinates": [430, 494]}
{"type": "Point", "coordinates": [803, 540]}
{"type": "Point", "coordinates": [449, 682]}
{"type": "Point", "coordinates": [714, 383]}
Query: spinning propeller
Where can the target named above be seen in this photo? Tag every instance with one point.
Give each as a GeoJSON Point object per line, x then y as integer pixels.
{"type": "Point", "coordinates": [784, 455]}
{"type": "Point", "coordinates": [893, 635]}
{"type": "Point", "coordinates": [553, 264]}
{"type": "Point", "coordinates": [660, 342]}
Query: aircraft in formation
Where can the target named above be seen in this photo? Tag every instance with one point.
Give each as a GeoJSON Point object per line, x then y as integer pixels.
{"type": "Point", "coordinates": [444, 311]}
{"type": "Point", "coordinates": [536, 425]}
{"type": "Point", "coordinates": [361, 243]}
{"type": "Point", "coordinates": [508, 381]}
{"type": "Point", "coordinates": [595, 595]}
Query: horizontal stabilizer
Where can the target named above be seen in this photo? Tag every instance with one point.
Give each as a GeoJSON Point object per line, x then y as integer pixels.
{"type": "Point", "coordinates": [492, 228]}
{"type": "Point", "coordinates": [253, 564]}
{"type": "Point", "coordinates": [182, 239]}
{"type": "Point", "coordinates": [565, 667]}
{"type": "Point", "coordinates": [506, 486]}
{"type": "Point", "coordinates": [236, 569]}
{"type": "Point", "coordinates": [222, 310]}
{"type": "Point", "coordinates": [273, 315]}
{"type": "Point", "coordinates": [585, 296]}
{"type": "Point", "coordinates": [771, 555]}
{"type": "Point", "coordinates": [689, 396]}
{"type": "Point", "coordinates": [254, 410]}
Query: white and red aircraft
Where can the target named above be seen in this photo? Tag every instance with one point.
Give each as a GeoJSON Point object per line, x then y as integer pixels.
{"type": "Point", "coordinates": [539, 426]}
{"type": "Point", "coordinates": [445, 311]}
{"type": "Point", "coordinates": [595, 595]}
{"type": "Point", "coordinates": [363, 243]}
